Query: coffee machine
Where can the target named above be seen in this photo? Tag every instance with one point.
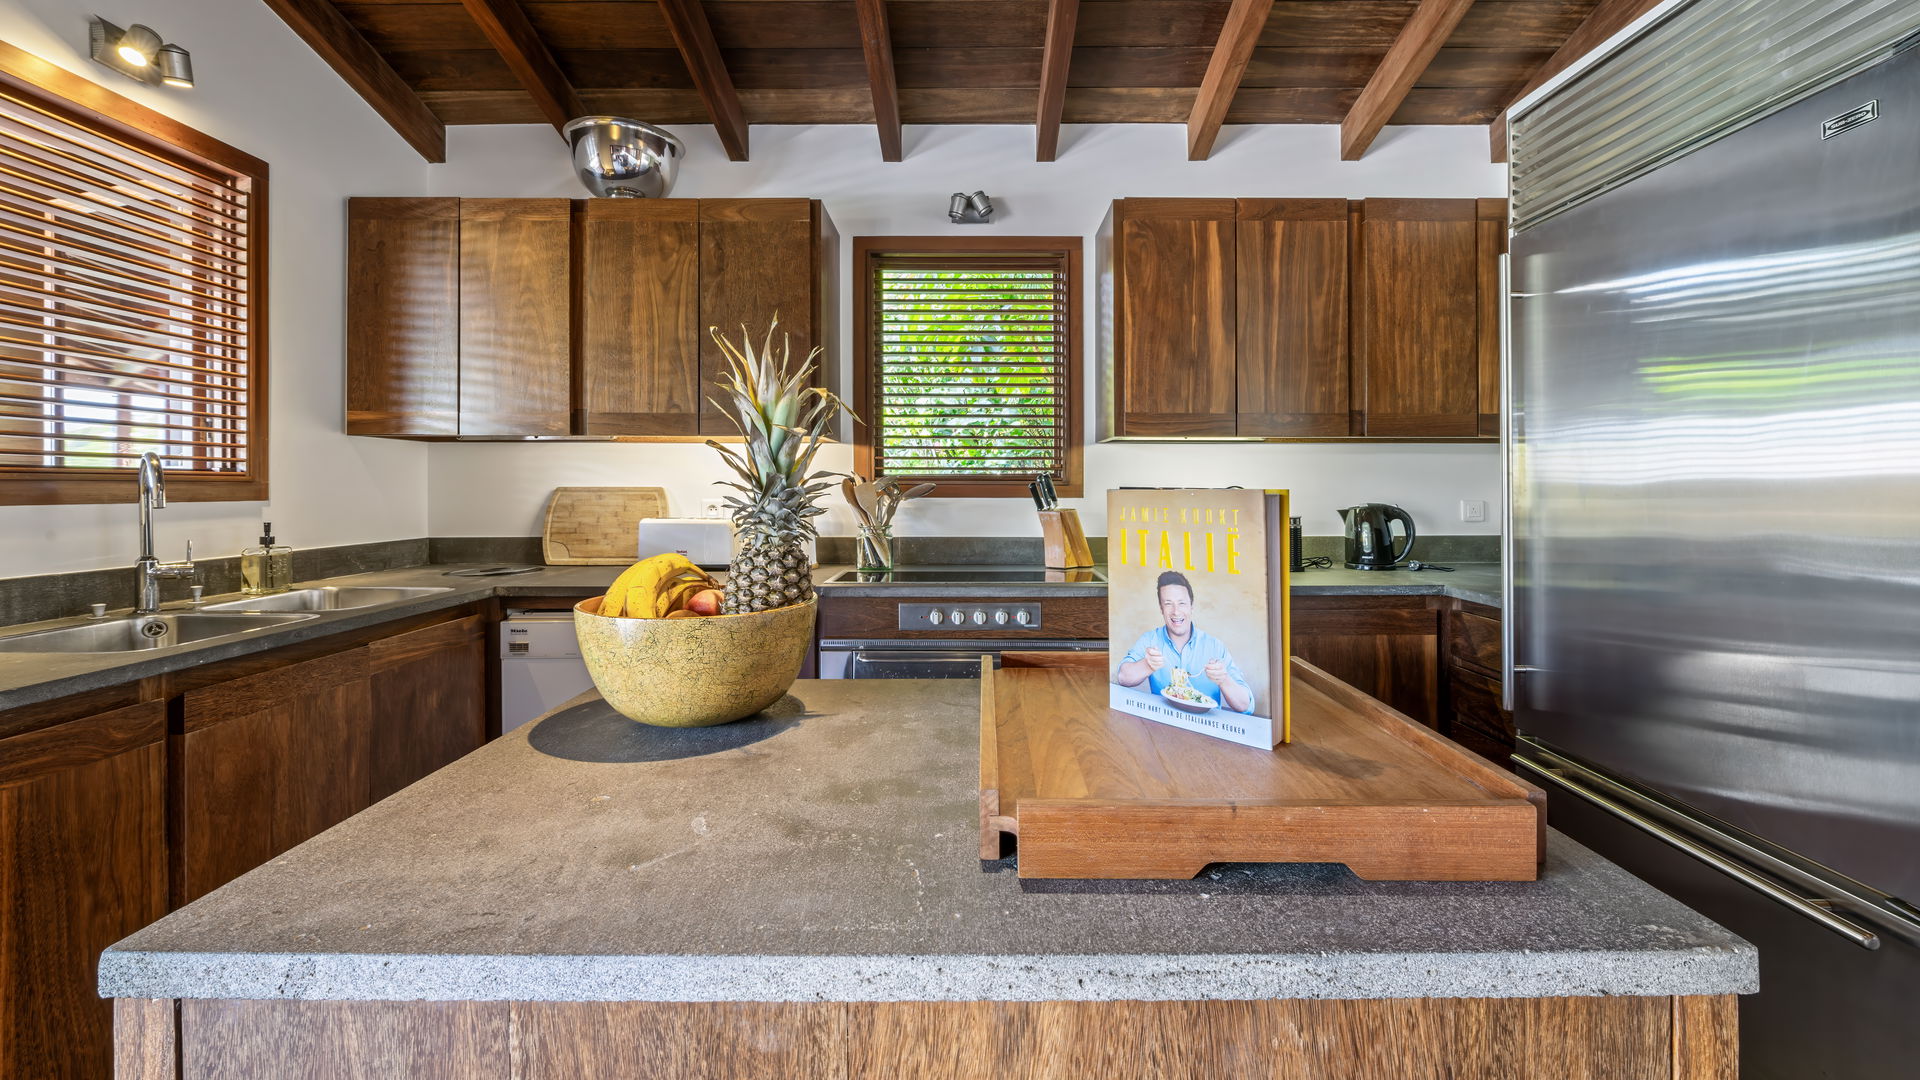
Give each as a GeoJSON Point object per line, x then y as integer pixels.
{"type": "Point", "coordinates": [1370, 543]}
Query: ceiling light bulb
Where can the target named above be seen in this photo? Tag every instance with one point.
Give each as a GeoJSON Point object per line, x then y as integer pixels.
{"type": "Point", "coordinates": [176, 66]}
{"type": "Point", "coordinates": [138, 45]}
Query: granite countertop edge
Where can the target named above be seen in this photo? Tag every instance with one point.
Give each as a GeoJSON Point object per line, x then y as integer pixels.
{"type": "Point", "coordinates": [1698, 971]}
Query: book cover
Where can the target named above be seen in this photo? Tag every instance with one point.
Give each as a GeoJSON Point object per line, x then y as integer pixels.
{"type": "Point", "coordinates": [1197, 610]}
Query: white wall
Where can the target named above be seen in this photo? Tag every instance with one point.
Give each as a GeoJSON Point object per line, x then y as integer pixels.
{"type": "Point", "coordinates": [261, 89]}
{"type": "Point", "coordinates": [501, 488]}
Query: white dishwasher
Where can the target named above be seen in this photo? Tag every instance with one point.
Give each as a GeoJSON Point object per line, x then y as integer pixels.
{"type": "Point", "coordinates": [540, 665]}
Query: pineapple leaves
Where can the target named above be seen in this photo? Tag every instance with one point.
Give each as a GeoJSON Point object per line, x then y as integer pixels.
{"type": "Point", "coordinates": [782, 422]}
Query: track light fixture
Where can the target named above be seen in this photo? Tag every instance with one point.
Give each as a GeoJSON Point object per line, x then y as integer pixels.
{"type": "Point", "coordinates": [964, 209]}
{"type": "Point", "coordinates": [139, 53]}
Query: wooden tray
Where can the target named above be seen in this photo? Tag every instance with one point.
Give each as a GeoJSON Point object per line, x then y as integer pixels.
{"type": "Point", "coordinates": [596, 526]}
{"type": "Point", "coordinates": [1094, 793]}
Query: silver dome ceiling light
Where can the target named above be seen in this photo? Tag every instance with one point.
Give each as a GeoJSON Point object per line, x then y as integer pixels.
{"type": "Point", "coordinates": [618, 158]}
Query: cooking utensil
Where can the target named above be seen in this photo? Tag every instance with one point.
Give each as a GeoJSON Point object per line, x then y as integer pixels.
{"type": "Point", "coordinates": [1046, 485]}
{"type": "Point", "coordinates": [852, 492]}
{"type": "Point", "coordinates": [1039, 498]}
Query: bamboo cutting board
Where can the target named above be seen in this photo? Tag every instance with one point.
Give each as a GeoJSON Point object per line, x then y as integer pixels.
{"type": "Point", "coordinates": [1090, 792]}
{"type": "Point", "coordinates": [595, 526]}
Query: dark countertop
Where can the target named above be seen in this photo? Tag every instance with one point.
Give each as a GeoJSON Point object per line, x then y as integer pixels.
{"type": "Point", "coordinates": [29, 678]}
{"type": "Point", "coordinates": [828, 850]}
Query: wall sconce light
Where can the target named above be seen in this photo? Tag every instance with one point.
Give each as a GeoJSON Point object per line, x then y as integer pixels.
{"type": "Point", "coordinates": [138, 53]}
{"type": "Point", "coordinates": [974, 209]}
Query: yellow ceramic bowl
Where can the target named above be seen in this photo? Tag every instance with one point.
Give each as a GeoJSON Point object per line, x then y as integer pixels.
{"type": "Point", "coordinates": [693, 672]}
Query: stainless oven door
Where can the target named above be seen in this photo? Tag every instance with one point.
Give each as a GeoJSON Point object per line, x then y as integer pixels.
{"type": "Point", "coordinates": [925, 659]}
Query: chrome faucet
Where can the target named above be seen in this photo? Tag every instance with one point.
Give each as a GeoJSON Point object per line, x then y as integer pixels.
{"type": "Point", "coordinates": [149, 570]}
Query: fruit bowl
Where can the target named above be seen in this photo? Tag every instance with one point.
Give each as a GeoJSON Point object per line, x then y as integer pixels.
{"type": "Point", "coordinates": [694, 672]}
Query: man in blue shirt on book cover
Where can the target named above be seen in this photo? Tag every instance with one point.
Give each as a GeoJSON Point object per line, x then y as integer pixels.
{"type": "Point", "coordinates": [1180, 645]}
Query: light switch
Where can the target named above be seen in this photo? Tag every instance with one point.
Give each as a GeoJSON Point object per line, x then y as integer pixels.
{"type": "Point", "coordinates": [1473, 510]}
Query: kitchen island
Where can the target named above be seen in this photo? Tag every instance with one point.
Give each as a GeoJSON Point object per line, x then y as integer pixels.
{"type": "Point", "coordinates": [801, 895]}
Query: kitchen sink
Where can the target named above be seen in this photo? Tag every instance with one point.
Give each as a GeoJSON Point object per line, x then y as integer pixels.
{"type": "Point", "coordinates": [137, 633]}
{"type": "Point", "coordinates": [330, 598]}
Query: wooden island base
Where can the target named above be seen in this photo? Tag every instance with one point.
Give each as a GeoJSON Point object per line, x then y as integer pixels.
{"type": "Point", "coordinates": [1583, 1038]}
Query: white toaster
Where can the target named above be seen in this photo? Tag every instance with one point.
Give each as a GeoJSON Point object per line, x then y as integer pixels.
{"type": "Point", "coordinates": [706, 542]}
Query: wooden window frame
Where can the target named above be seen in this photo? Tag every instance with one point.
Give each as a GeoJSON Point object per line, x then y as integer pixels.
{"type": "Point", "coordinates": [82, 102]}
{"type": "Point", "coordinates": [865, 250]}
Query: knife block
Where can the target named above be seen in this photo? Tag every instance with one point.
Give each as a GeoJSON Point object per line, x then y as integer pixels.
{"type": "Point", "coordinates": [1066, 541]}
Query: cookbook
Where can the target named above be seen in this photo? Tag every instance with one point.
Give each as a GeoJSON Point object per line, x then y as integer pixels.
{"type": "Point", "coordinates": [1197, 610]}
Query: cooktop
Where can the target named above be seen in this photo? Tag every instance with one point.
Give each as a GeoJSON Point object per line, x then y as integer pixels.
{"type": "Point", "coordinates": [964, 575]}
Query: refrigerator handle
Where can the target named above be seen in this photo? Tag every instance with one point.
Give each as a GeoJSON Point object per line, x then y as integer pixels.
{"type": "Point", "coordinates": [1562, 775]}
{"type": "Point", "coordinates": [1507, 614]}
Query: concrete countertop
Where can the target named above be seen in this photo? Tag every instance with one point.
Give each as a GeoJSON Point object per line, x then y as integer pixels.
{"type": "Point", "coordinates": [828, 851]}
{"type": "Point", "coordinates": [29, 678]}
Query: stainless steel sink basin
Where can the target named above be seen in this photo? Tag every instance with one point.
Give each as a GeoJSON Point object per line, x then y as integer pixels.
{"type": "Point", "coordinates": [330, 598]}
{"type": "Point", "coordinates": [134, 634]}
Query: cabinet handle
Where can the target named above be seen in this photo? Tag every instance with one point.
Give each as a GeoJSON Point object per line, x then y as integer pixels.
{"type": "Point", "coordinates": [1508, 616]}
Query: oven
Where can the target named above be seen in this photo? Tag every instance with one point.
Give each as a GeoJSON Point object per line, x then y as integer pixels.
{"type": "Point", "coordinates": [937, 622]}
{"type": "Point", "coordinates": [923, 658]}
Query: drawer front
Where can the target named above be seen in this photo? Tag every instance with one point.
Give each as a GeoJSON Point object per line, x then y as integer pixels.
{"type": "Point", "coordinates": [1475, 703]}
{"type": "Point", "coordinates": [1475, 640]}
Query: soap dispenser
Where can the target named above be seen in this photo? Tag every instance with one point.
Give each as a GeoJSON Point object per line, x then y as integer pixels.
{"type": "Point", "coordinates": [266, 567]}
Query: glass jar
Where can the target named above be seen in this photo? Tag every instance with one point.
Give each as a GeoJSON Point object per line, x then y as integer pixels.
{"type": "Point", "coordinates": [874, 548]}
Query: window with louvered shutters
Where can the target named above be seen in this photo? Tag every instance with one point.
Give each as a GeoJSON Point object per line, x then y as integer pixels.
{"type": "Point", "coordinates": [969, 362]}
{"type": "Point", "coordinates": [129, 284]}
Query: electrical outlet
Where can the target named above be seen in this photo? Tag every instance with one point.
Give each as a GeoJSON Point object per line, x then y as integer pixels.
{"type": "Point", "coordinates": [713, 508]}
{"type": "Point", "coordinates": [1473, 510]}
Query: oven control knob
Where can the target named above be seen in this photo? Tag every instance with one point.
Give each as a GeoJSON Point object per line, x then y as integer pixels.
{"type": "Point", "coordinates": [1022, 616]}
{"type": "Point", "coordinates": [1000, 618]}
{"type": "Point", "coordinates": [936, 616]}
{"type": "Point", "coordinates": [957, 616]}
{"type": "Point", "coordinates": [979, 617]}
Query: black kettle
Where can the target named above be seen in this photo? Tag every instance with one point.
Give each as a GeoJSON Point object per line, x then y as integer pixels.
{"type": "Point", "coordinates": [1370, 536]}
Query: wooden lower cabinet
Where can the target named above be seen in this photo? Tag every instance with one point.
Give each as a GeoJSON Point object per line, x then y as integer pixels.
{"type": "Point", "coordinates": [1386, 646]}
{"type": "Point", "coordinates": [1471, 702]}
{"type": "Point", "coordinates": [429, 701]}
{"type": "Point", "coordinates": [1585, 1038]}
{"type": "Point", "coordinates": [265, 762]}
{"type": "Point", "coordinates": [83, 864]}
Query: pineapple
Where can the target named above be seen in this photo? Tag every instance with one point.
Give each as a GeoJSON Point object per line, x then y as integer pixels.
{"type": "Point", "coordinates": [784, 421]}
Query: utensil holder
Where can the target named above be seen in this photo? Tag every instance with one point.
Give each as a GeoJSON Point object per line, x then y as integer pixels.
{"type": "Point", "coordinates": [873, 548]}
{"type": "Point", "coordinates": [1066, 541]}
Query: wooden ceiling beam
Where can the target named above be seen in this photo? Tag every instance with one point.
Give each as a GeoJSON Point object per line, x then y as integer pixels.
{"type": "Point", "coordinates": [1238, 36]}
{"type": "Point", "coordinates": [877, 42]}
{"type": "Point", "coordinates": [1407, 58]}
{"type": "Point", "coordinates": [505, 24]}
{"type": "Point", "coordinates": [693, 36]}
{"type": "Point", "coordinates": [1607, 19]}
{"type": "Point", "coordinates": [328, 33]}
{"type": "Point", "coordinates": [1055, 59]}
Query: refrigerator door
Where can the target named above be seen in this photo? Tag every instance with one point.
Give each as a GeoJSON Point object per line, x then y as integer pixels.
{"type": "Point", "coordinates": [1715, 470]}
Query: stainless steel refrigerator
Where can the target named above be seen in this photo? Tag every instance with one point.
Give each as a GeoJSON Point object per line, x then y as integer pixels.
{"type": "Point", "coordinates": [1714, 470]}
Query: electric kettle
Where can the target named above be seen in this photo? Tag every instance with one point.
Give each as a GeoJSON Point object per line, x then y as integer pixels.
{"type": "Point", "coordinates": [1370, 536]}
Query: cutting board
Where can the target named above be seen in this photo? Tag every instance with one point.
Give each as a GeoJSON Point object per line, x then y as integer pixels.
{"type": "Point", "coordinates": [594, 526]}
{"type": "Point", "coordinates": [1078, 790]}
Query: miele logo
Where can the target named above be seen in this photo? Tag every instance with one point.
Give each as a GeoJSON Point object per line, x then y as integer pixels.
{"type": "Point", "coordinates": [1851, 119]}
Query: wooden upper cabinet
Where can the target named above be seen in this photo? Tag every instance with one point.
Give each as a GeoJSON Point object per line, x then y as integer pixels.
{"type": "Point", "coordinates": [1291, 271]}
{"type": "Point", "coordinates": [83, 861]}
{"type": "Point", "coordinates": [267, 761]}
{"type": "Point", "coordinates": [403, 317]}
{"type": "Point", "coordinates": [637, 340]}
{"type": "Point", "coordinates": [1426, 285]}
{"type": "Point", "coordinates": [758, 258]}
{"type": "Point", "coordinates": [1174, 350]}
{"type": "Point", "coordinates": [515, 316]}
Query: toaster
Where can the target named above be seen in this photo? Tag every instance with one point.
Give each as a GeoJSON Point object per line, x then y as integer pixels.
{"type": "Point", "coordinates": [706, 542]}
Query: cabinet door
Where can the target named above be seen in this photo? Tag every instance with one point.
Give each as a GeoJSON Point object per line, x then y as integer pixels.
{"type": "Point", "coordinates": [1291, 258]}
{"type": "Point", "coordinates": [515, 316]}
{"type": "Point", "coordinates": [403, 317]}
{"type": "Point", "coordinates": [1417, 314]}
{"type": "Point", "coordinates": [429, 701]}
{"type": "Point", "coordinates": [1385, 646]}
{"type": "Point", "coordinates": [267, 761]}
{"type": "Point", "coordinates": [636, 269]}
{"type": "Point", "coordinates": [83, 863]}
{"type": "Point", "coordinates": [1489, 249]}
{"type": "Point", "coordinates": [1476, 719]}
{"type": "Point", "coordinates": [758, 258]}
{"type": "Point", "coordinates": [1176, 321]}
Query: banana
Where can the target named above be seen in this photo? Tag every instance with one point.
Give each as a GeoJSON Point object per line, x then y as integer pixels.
{"type": "Point", "coordinates": [635, 594]}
